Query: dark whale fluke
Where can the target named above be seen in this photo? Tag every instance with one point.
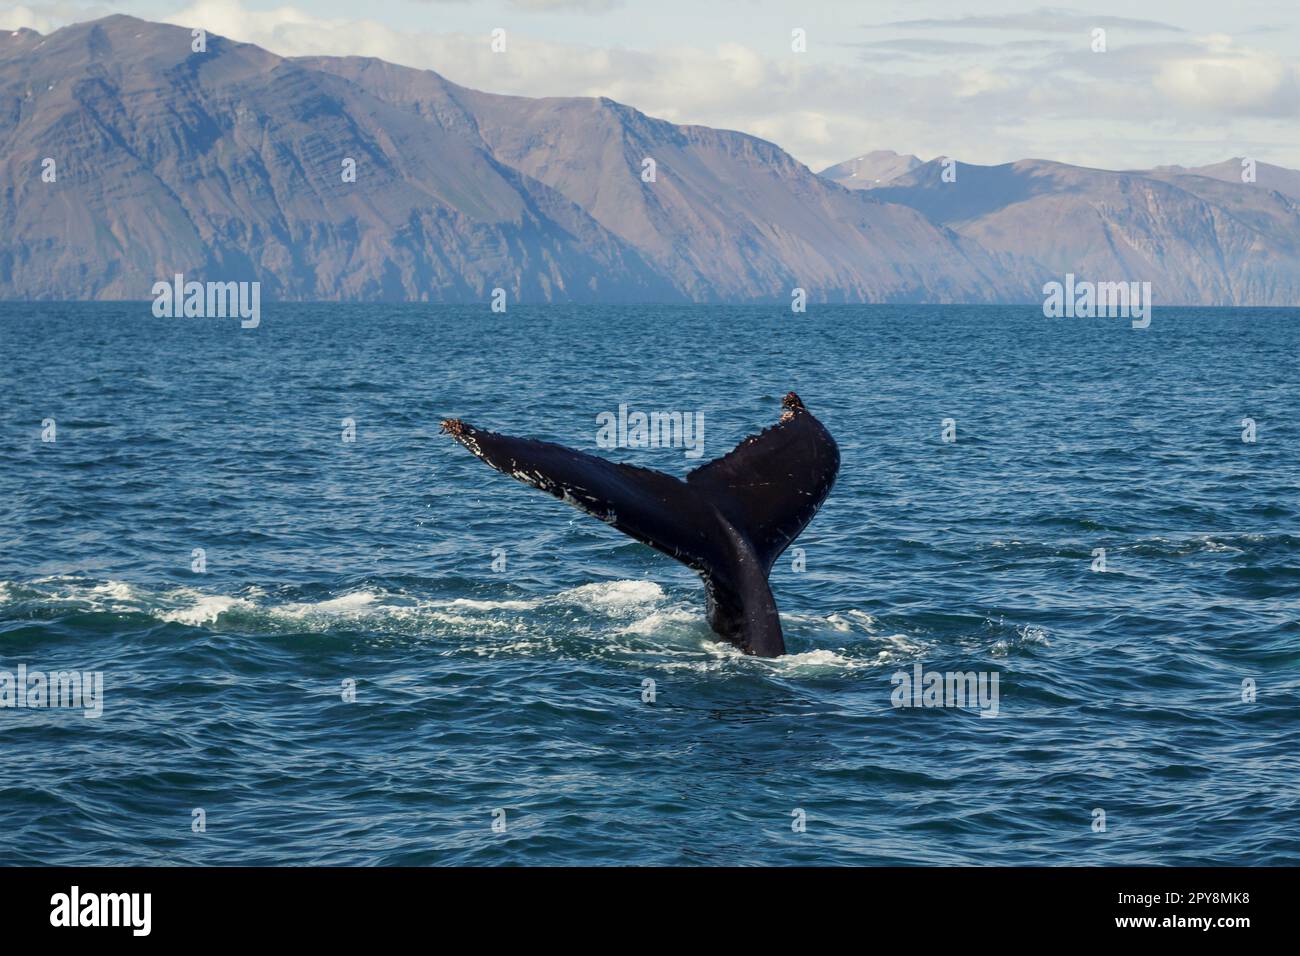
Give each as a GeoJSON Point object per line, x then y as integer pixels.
{"type": "Point", "coordinates": [729, 520]}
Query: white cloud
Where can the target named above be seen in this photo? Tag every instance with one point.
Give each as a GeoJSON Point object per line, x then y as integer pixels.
{"type": "Point", "coordinates": [589, 6]}
{"type": "Point", "coordinates": [1229, 81]}
{"type": "Point", "coordinates": [1190, 99]}
{"type": "Point", "coordinates": [44, 17]}
{"type": "Point", "coordinates": [1042, 20]}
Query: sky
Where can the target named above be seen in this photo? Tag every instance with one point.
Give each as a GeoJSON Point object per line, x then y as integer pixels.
{"type": "Point", "coordinates": [1186, 82]}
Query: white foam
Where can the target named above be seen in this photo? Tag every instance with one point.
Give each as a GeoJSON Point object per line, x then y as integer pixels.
{"type": "Point", "coordinates": [661, 620]}
{"type": "Point", "coordinates": [634, 617]}
{"type": "Point", "coordinates": [527, 645]}
{"type": "Point", "coordinates": [1033, 634]}
{"type": "Point", "coordinates": [846, 622]}
{"type": "Point", "coordinates": [900, 647]}
{"type": "Point", "coordinates": [53, 579]}
{"type": "Point", "coordinates": [459, 620]}
{"type": "Point", "coordinates": [117, 590]}
{"type": "Point", "coordinates": [345, 605]}
{"type": "Point", "coordinates": [722, 657]}
{"type": "Point", "coordinates": [105, 596]}
{"type": "Point", "coordinates": [613, 595]}
{"type": "Point", "coordinates": [725, 651]}
{"type": "Point", "coordinates": [473, 605]}
{"type": "Point", "coordinates": [1213, 545]}
{"type": "Point", "coordinates": [817, 661]}
{"type": "Point", "coordinates": [205, 610]}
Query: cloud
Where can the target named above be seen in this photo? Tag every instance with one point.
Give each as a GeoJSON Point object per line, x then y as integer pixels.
{"type": "Point", "coordinates": [1229, 82]}
{"type": "Point", "coordinates": [926, 46]}
{"type": "Point", "coordinates": [588, 6]}
{"type": "Point", "coordinates": [1031, 97]}
{"type": "Point", "coordinates": [1175, 99]}
{"type": "Point", "coordinates": [551, 6]}
{"type": "Point", "coordinates": [45, 17]}
{"type": "Point", "coordinates": [1042, 20]}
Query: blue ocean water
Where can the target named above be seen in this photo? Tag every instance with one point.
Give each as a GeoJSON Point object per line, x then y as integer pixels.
{"type": "Point", "coordinates": [516, 693]}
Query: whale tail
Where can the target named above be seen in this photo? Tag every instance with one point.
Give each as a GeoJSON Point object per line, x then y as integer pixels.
{"type": "Point", "coordinates": [729, 520]}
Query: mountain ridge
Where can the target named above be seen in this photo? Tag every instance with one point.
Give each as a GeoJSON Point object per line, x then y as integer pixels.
{"type": "Point", "coordinates": [1197, 239]}
{"type": "Point", "coordinates": [226, 165]}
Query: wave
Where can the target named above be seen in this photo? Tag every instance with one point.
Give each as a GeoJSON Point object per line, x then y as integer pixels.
{"type": "Point", "coordinates": [1251, 544]}
{"type": "Point", "coordinates": [637, 620]}
{"type": "Point", "coordinates": [205, 610]}
{"type": "Point", "coordinates": [614, 594]}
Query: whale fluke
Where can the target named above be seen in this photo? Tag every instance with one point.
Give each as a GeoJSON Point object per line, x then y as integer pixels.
{"type": "Point", "coordinates": [729, 520]}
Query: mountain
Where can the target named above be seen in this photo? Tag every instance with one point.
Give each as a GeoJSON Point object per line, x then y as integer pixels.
{"type": "Point", "coordinates": [728, 217]}
{"type": "Point", "coordinates": [870, 170]}
{"type": "Point", "coordinates": [1229, 171]}
{"type": "Point", "coordinates": [226, 165]}
{"type": "Point", "coordinates": [1197, 239]}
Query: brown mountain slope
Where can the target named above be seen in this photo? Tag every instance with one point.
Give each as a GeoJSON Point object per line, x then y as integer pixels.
{"type": "Point", "coordinates": [870, 170]}
{"type": "Point", "coordinates": [227, 165]}
{"type": "Point", "coordinates": [728, 216]}
{"type": "Point", "coordinates": [1197, 240]}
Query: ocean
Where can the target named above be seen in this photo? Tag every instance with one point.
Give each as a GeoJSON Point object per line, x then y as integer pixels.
{"type": "Point", "coordinates": [316, 650]}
